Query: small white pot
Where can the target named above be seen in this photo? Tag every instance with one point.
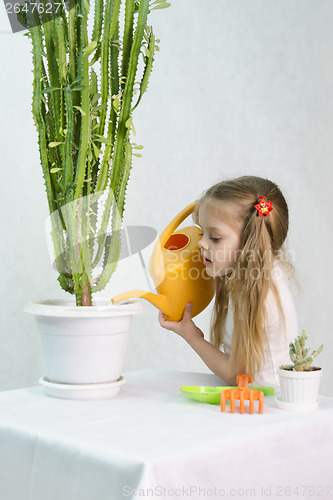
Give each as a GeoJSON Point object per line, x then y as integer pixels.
{"type": "Point", "coordinates": [83, 345]}
{"type": "Point", "coordinates": [300, 388]}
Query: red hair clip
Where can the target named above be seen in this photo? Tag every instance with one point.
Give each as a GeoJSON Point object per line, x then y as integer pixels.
{"type": "Point", "coordinates": [264, 206]}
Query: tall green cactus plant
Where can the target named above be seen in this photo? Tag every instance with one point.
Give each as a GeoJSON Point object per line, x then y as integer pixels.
{"type": "Point", "coordinates": [85, 89]}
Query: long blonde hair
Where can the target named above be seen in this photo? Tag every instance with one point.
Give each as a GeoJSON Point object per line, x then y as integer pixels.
{"type": "Point", "coordinates": [250, 280]}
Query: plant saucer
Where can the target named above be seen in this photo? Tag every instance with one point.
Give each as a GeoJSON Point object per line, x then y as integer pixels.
{"type": "Point", "coordinates": [103, 390]}
{"type": "Point", "coordinates": [295, 406]}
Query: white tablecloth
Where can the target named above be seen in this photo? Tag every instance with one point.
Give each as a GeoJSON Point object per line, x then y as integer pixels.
{"type": "Point", "coordinates": [152, 442]}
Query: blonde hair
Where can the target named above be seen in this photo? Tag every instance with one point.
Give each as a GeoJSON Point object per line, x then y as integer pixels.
{"type": "Point", "coordinates": [250, 279]}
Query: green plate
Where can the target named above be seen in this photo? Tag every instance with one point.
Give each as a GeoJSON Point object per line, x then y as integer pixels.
{"type": "Point", "coordinates": [212, 395]}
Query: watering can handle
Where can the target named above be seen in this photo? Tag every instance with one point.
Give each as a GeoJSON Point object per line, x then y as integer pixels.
{"type": "Point", "coordinates": [176, 221]}
{"type": "Point", "coordinates": [154, 262]}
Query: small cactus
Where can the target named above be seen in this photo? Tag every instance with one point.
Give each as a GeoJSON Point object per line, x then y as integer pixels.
{"type": "Point", "coordinates": [299, 354]}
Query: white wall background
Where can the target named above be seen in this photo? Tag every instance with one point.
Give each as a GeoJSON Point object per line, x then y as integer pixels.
{"type": "Point", "coordinates": [239, 87]}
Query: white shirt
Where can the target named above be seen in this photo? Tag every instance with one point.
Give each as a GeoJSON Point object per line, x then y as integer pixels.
{"type": "Point", "coordinates": [278, 337]}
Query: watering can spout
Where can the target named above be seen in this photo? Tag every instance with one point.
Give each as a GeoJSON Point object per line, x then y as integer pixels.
{"type": "Point", "coordinates": [158, 301]}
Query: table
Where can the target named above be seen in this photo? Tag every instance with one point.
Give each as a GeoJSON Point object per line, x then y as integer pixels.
{"type": "Point", "coordinates": [150, 441]}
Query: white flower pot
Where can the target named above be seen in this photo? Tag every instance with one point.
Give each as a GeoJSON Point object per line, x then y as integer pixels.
{"type": "Point", "coordinates": [83, 345]}
{"type": "Point", "coordinates": [299, 388]}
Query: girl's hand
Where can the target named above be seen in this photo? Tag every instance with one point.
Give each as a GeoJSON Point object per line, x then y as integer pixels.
{"type": "Point", "coordinates": [185, 327]}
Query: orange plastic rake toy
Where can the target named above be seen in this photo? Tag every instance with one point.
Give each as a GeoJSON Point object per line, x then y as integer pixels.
{"type": "Point", "coordinates": [242, 393]}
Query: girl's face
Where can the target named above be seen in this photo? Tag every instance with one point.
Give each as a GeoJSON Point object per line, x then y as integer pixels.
{"type": "Point", "coordinates": [221, 236]}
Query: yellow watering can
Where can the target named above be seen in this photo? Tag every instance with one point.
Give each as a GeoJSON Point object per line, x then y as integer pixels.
{"type": "Point", "coordinates": [177, 270]}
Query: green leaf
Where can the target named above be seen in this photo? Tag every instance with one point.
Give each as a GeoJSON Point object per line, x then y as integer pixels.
{"type": "Point", "coordinates": [103, 139]}
{"type": "Point", "coordinates": [77, 80]}
{"type": "Point", "coordinates": [101, 106]}
{"type": "Point", "coordinates": [129, 122]}
{"type": "Point", "coordinates": [54, 144]}
{"type": "Point", "coordinates": [137, 154]}
{"type": "Point", "coordinates": [116, 104]}
{"type": "Point", "coordinates": [80, 109]}
{"type": "Point", "coordinates": [97, 151]}
{"type": "Point", "coordinates": [163, 5]}
{"type": "Point", "coordinates": [90, 48]}
{"type": "Point", "coordinates": [47, 90]}
{"type": "Point", "coordinates": [79, 87]}
{"type": "Point", "coordinates": [95, 99]}
{"type": "Point", "coordinates": [55, 170]}
{"type": "Point", "coordinates": [138, 147]}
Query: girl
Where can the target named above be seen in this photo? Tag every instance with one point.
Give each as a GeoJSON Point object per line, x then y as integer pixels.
{"type": "Point", "coordinates": [244, 224]}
